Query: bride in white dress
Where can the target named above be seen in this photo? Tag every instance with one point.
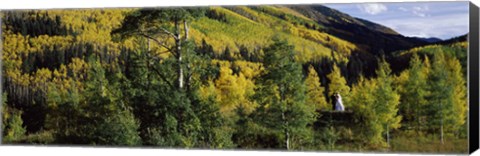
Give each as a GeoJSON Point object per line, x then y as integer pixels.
{"type": "Point", "coordinates": [339, 104]}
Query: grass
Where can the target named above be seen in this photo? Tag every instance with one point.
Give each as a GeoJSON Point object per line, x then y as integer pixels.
{"type": "Point", "coordinates": [428, 144]}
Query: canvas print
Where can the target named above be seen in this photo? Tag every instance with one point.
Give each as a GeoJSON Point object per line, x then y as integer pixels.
{"type": "Point", "coordinates": [358, 77]}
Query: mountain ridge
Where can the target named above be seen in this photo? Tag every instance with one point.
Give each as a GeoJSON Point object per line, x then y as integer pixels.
{"type": "Point", "coordinates": [377, 37]}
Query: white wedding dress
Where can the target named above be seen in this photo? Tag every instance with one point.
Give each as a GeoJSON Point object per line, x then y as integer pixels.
{"type": "Point", "coordinates": [339, 105]}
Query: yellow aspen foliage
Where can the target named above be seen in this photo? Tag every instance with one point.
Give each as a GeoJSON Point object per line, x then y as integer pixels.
{"type": "Point", "coordinates": [78, 67]}
{"type": "Point", "coordinates": [249, 69]}
{"type": "Point", "coordinates": [338, 84]}
{"type": "Point", "coordinates": [459, 94]}
{"type": "Point", "coordinates": [41, 78]}
{"type": "Point", "coordinates": [233, 90]}
{"type": "Point", "coordinates": [315, 95]}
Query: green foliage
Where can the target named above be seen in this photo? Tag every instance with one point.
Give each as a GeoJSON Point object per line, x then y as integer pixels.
{"type": "Point", "coordinates": [386, 103]}
{"type": "Point", "coordinates": [112, 77]}
{"type": "Point", "coordinates": [104, 118]}
{"type": "Point", "coordinates": [377, 105]}
{"type": "Point", "coordinates": [12, 123]}
{"type": "Point", "coordinates": [414, 93]}
{"type": "Point", "coordinates": [364, 96]}
{"type": "Point", "coordinates": [429, 143]}
{"type": "Point", "coordinates": [447, 105]}
{"type": "Point", "coordinates": [282, 98]}
{"type": "Point", "coordinates": [459, 97]}
{"type": "Point", "coordinates": [330, 136]}
{"type": "Point", "coordinates": [338, 84]}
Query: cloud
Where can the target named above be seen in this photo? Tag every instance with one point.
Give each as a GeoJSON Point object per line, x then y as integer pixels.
{"type": "Point", "coordinates": [420, 11]}
{"type": "Point", "coordinates": [417, 10]}
{"type": "Point", "coordinates": [402, 9]}
{"type": "Point", "coordinates": [443, 26]}
{"type": "Point", "coordinates": [372, 8]}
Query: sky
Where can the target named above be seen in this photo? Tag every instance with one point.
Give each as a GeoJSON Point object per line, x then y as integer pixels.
{"type": "Point", "coordinates": [442, 20]}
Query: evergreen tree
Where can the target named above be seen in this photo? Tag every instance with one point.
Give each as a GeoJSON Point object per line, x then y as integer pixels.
{"type": "Point", "coordinates": [12, 124]}
{"type": "Point", "coordinates": [112, 117]}
{"type": "Point", "coordinates": [96, 115]}
{"type": "Point", "coordinates": [165, 111]}
{"type": "Point", "coordinates": [282, 98]}
{"type": "Point", "coordinates": [163, 22]}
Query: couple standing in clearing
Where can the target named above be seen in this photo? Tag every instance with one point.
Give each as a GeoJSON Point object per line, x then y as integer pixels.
{"type": "Point", "coordinates": [337, 103]}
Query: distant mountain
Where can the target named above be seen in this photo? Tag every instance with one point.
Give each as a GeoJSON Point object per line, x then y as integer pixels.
{"type": "Point", "coordinates": [430, 39]}
{"type": "Point", "coordinates": [373, 36]}
{"type": "Point", "coordinates": [462, 38]}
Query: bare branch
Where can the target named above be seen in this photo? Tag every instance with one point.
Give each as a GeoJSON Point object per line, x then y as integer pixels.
{"type": "Point", "coordinates": [169, 33]}
{"type": "Point", "coordinates": [159, 43]}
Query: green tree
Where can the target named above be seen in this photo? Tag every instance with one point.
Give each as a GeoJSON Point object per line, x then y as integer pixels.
{"type": "Point", "coordinates": [165, 112]}
{"type": "Point", "coordinates": [161, 26]}
{"type": "Point", "coordinates": [282, 97]}
{"type": "Point", "coordinates": [338, 84]}
{"type": "Point", "coordinates": [459, 104]}
{"type": "Point", "coordinates": [315, 95]}
{"type": "Point", "coordinates": [447, 101]}
{"type": "Point", "coordinates": [12, 123]}
{"type": "Point", "coordinates": [441, 95]}
{"type": "Point", "coordinates": [95, 115]}
{"type": "Point", "coordinates": [414, 93]}
{"type": "Point", "coordinates": [106, 110]}
{"type": "Point", "coordinates": [386, 101]}
{"type": "Point", "coordinates": [376, 104]}
{"type": "Point", "coordinates": [363, 93]}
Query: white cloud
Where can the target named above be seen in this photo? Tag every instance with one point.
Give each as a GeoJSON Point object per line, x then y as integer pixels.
{"type": "Point", "coordinates": [420, 11]}
{"type": "Point", "coordinates": [372, 8]}
{"type": "Point", "coordinates": [443, 26]}
{"type": "Point", "coordinates": [403, 9]}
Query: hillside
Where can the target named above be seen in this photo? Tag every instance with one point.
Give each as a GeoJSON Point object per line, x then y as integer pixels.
{"type": "Point", "coordinates": [38, 44]}
{"type": "Point", "coordinates": [233, 77]}
{"type": "Point", "coordinates": [453, 48]}
{"type": "Point", "coordinates": [372, 36]}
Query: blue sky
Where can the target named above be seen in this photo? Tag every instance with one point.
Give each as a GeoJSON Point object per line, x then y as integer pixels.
{"type": "Point", "coordinates": [443, 20]}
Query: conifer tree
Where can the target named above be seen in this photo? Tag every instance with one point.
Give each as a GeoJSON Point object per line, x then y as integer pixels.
{"type": "Point", "coordinates": [156, 25]}
{"type": "Point", "coordinates": [95, 115]}
{"type": "Point", "coordinates": [106, 111]}
{"type": "Point", "coordinates": [282, 97]}
{"type": "Point", "coordinates": [12, 129]}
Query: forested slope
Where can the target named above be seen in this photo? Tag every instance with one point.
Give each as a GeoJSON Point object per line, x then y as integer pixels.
{"type": "Point", "coordinates": [249, 77]}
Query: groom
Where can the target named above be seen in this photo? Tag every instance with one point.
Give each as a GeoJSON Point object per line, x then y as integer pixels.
{"type": "Point", "coordinates": [333, 100]}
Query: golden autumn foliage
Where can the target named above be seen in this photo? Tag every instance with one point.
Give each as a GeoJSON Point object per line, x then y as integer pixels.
{"type": "Point", "coordinates": [315, 92]}
{"type": "Point", "coordinates": [240, 79]}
